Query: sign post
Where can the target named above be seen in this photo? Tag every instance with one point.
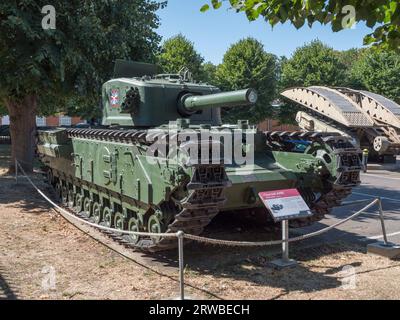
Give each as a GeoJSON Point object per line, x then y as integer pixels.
{"type": "Point", "coordinates": [285, 205]}
{"type": "Point", "coordinates": [284, 261]}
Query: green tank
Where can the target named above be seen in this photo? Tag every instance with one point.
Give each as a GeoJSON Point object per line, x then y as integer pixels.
{"type": "Point", "coordinates": [162, 161]}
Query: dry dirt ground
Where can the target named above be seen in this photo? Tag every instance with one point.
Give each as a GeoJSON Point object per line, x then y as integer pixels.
{"type": "Point", "coordinates": [44, 257]}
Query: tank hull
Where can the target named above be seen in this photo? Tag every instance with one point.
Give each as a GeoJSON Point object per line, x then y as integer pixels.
{"type": "Point", "coordinates": [111, 177]}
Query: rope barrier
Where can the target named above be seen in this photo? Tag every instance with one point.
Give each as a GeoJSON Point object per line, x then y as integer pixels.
{"type": "Point", "coordinates": [181, 235]}
{"type": "Point", "coordinates": [205, 240]}
{"type": "Point", "coordinates": [91, 223]}
{"type": "Point", "coordinates": [275, 242]}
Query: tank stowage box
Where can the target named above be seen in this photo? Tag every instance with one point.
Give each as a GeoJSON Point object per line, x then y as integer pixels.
{"type": "Point", "coordinates": [163, 161]}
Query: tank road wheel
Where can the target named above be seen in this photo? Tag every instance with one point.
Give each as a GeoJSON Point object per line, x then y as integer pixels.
{"type": "Point", "coordinates": [78, 203]}
{"type": "Point", "coordinates": [71, 198]}
{"type": "Point", "coordinates": [64, 195]}
{"type": "Point", "coordinates": [49, 176]}
{"type": "Point", "coordinates": [154, 225]}
{"type": "Point", "coordinates": [381, 144]}
{"type": "Point", "coordinates": [119, 221]}
{"type": "Point", "coordinates": [133, 225]}
{"type": "Point", "coordinates": [108, 217]}
{"type": "Point", "coordinates": [87, 207]}
{"type": "Point", "coordinates": [97, 212]}
{"type": "Point", "coordinates": [58, 191]}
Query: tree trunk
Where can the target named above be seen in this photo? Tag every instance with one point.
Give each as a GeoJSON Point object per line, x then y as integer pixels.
{"type": "Point", "coordinates": [23, 131]}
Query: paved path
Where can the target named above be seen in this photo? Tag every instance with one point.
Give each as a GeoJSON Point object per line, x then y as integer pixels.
{"type": "Point", "coordinates": [366, 227]}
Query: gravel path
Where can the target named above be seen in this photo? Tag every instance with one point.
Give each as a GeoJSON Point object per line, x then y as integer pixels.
{"type": "Point", "coordinates": [44, 257]}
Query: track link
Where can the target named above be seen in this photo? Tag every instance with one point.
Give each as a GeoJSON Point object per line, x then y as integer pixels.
{"type": "Point", "coordinates": [190, 214]}
{"type": "Point", "coordinates": [197, 209]}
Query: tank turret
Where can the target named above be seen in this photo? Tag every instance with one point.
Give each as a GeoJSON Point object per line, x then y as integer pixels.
{"type": "Point", "coordinates": [137, 100]}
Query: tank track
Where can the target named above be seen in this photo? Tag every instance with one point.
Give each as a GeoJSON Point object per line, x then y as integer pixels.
{"type": "Point", "coordinates": [196, 211]}
{"type": "Point", "coordinates": [348, 173]}
{"type": "Point", "coordinates": [190, 214]}
{"type": "Point", "coordinates": [123, 136]}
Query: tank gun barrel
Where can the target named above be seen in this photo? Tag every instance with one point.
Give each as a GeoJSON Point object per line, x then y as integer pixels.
{"type": "Point", "coordinates": [192, 103]}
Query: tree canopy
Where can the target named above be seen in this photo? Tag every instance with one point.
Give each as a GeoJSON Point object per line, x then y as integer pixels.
{"type": "Point", "coordinates": [208, 72]}
{"type": "Point", "coordinates": [313, 64]}
{"type": "Point", "coordinates": [382, 15]}
{"type": "Point", "coordinates": [65, 66]}
{"type": "Point", "coordinates": [3, 110]}
{"type": "Point", "coordinates": [178, 52]}
{"type": "Point", "coordinates": [75, 58]}
{"type": "Point", "coordinates": [378, 72]}
{"type": "Point", "coordinates": [247, 65]}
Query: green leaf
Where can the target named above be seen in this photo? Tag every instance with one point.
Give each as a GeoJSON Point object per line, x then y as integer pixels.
{"type": "Point", "coordinates": [371, 12]}
{"type": "Point", "coordinates": [77, 58]}
{"type": "Point", "coordinates": [205, 8]}
{"type": "Point", "coordinates": [369, 39]}
{"type": "Point", "coordinates": [283, 13]}
{"type": "Point", "coordinates": [178, 52]}
{"type": "Point", "coordinates": [216, 4]}
{"type": "Point", "coordinates": [246, 64]}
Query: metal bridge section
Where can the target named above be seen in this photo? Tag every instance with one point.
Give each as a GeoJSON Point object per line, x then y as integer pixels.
{"type": "Point", "coordinates": [372, 120]}
{"type": "Point", "coordinates": [330, 103]}
{"type": "Point", "coordinates": [381, 109]}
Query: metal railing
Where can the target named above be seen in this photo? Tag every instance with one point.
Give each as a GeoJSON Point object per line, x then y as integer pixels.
{"type": "Point", "coordinates": [180, 235]}
{"type": "Point", "coordinates": [5, 140]}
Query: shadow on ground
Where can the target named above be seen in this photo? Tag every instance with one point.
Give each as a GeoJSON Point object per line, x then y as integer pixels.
{"type": "Point", "coordinates": [252, 264]}
{"type": "Point", "coordinates": [22, 195]}
{"type": "Point", "coordinates": [7, 288]}
{"type": "Point", "coordinates": [245, 263]}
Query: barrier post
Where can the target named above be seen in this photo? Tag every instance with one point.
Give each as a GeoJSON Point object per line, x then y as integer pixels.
{"type": "Point", "coordinates": [16, 170]}
{"type": "Point", "coordinates": [385, 248]}
{"type": "Point", "coordinates": [382, 218]}
{"type": "Point", "coordinates": [285, 261]}
{"type": "Point", "coordinates": [285, 238]}
{"type": "Point", "coordinates": [180, 236]}
{"type": "Point", "coordinates": [365, 160]}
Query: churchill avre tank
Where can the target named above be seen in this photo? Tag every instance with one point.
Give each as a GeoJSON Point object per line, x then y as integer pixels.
{"type": "Point", "coordinates": [162, 161]}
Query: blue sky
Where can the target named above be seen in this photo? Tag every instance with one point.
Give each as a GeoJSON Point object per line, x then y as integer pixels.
{"type": "Point", "coordinates": [214, 31]}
